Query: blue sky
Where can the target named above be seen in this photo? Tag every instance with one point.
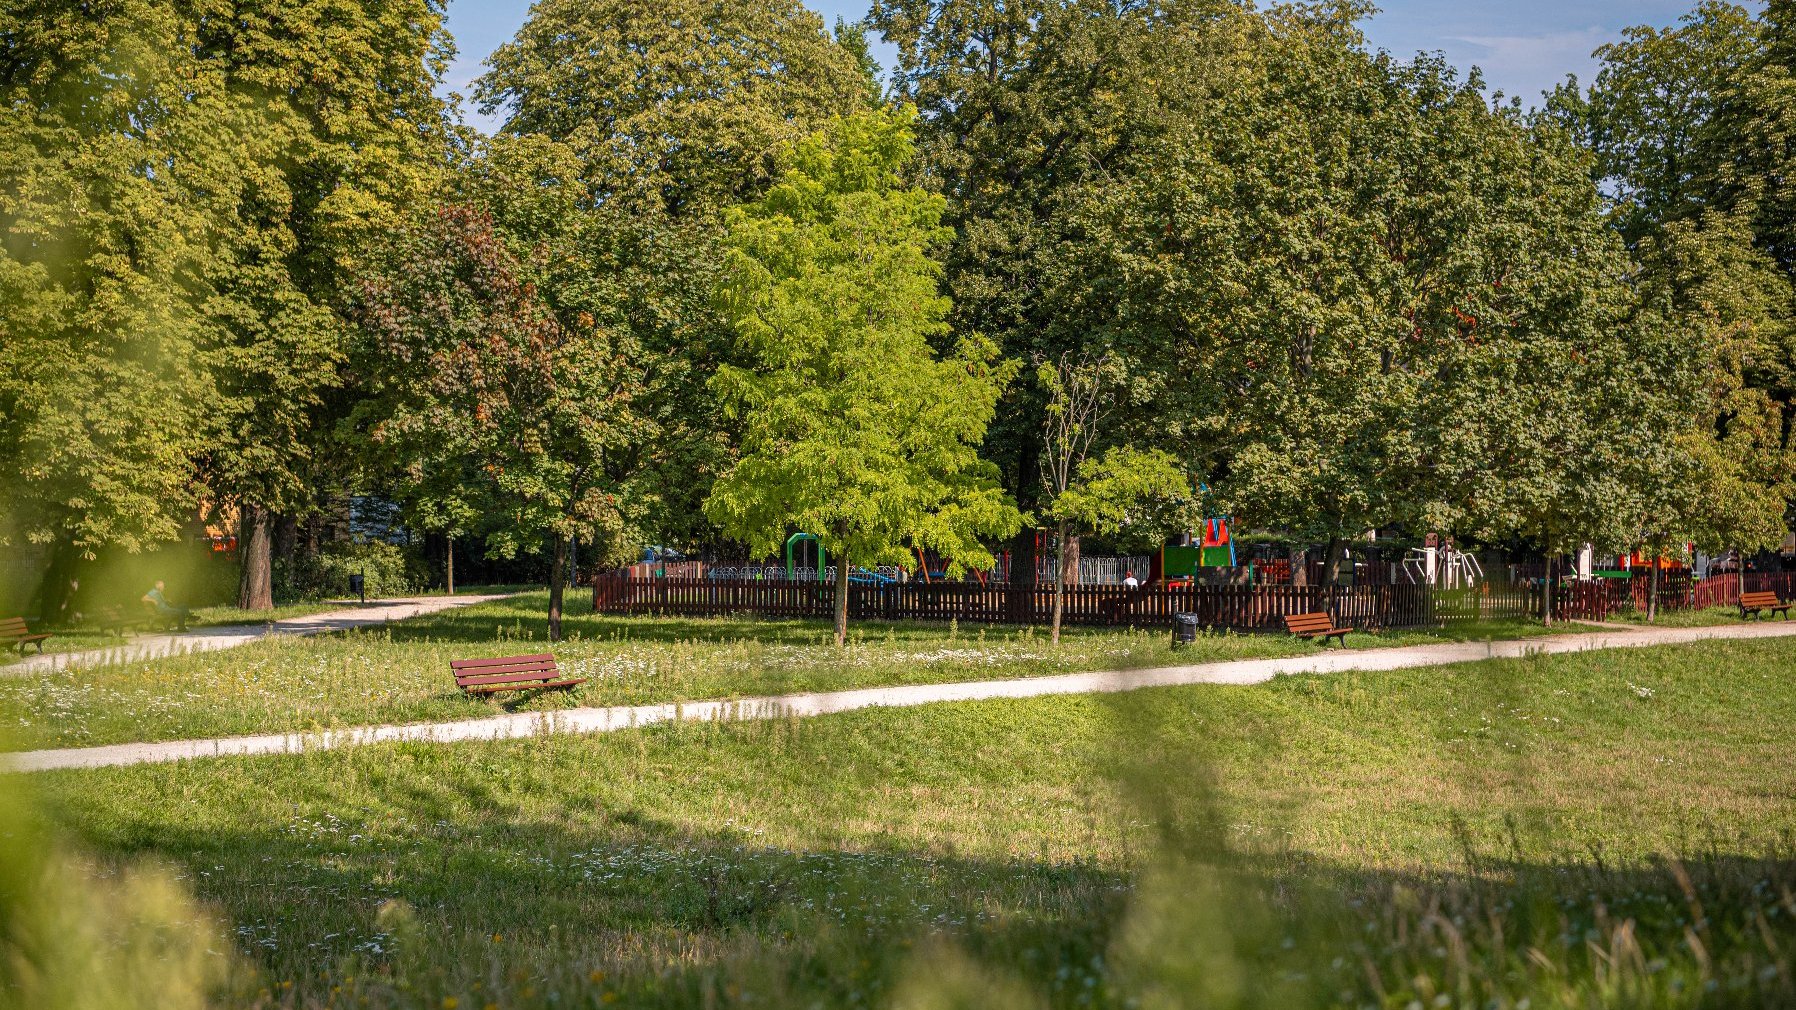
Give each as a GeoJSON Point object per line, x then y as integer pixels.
{"type": "Point", "coordinates": [1523, 46]}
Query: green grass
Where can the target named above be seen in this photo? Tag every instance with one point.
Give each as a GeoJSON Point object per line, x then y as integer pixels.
{"type": "Point", "coordinates": [400, 673]}
{"type": "Point", "coordinates": [1706, 618]}
{"type": "Point", "coordinates": [1475, 835]}
{"type": "Point", "coordinates": [89, 636]}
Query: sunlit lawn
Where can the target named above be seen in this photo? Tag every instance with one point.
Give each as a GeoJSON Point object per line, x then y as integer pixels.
{"type": "Point", "coordinates": [1492, 833]}
{"type": "Point", "coordinates": [91, 634]}
{"type": "Point", "coordinates": [1709, 617]}
{"type": "Point", "coordinates": [400, 673]}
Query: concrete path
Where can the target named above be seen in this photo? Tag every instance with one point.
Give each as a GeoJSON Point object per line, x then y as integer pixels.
{"type": "Point", "coordinates": [605, 720]}
{"type": "Point", "coordinates": [230, 636]}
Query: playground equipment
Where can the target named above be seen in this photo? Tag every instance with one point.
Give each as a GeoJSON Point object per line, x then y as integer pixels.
{"type": "Point", "coordinates": [1442, 567]}
{"type": "Point", "coordinates": [1215, 548]}
{"type": "Point", "coordinates": [794, 547]}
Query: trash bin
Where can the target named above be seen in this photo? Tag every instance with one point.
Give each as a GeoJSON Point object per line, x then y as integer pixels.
{"type": "Point", "coordinates": [358, 585]}
{"type": "Point", "coordinates": [1184, 629]}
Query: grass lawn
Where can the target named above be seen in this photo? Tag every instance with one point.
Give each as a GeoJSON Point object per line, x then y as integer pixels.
{"type": "Point", "coordinates": [399, 673]}
{"type": "Point", "coordinates": [86, 637]}
{"type": "Point", "coordinates": [1496, 834]}
{"type": "Point", "coordinates": [1687, 618]}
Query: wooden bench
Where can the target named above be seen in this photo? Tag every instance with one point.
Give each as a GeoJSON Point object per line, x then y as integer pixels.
{"type": "Point", "coordinates": [121, 620]}
{"type": "Point", "coordinates": [1315, 626]}
{"type": "Point", "coordinates": [1754, 604]}
{"type": "Point", "coordinates": [13, 632]}
{"type": "Point", "coordinates": [510, 673]}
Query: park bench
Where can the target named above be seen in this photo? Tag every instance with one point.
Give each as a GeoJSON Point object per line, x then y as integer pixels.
{"type": "Point", "coordinates": [510, 673]}
{"type": "Point", "coordinates": [116, 618]}
{"type": "Point", "coordinates": [1754, 604]}
{"type": "Point", "coordinates": [14, 632]}
{"type": "Point", "coordinates": [1315, 626]}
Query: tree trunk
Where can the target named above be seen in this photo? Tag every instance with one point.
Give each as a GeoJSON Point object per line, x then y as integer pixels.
{"type": "Point", "coordinates": [1068, 552]}
{"type": "Point", "coordinates": [1300, 567]}
{"type": "Point", "coordinates": [1331, 567]}
{"type": "Point", "coordinates": [1652, 591]}
{"type": "Point", "coordinates": [1060, 539]}
{"type": "Point", "coordinates": [557, 582]}
{"type": "Point", "coordinates": [286, 538]}
{"type": "Point", "coordinates": [1546, 590]}
{"type": "Point", "coordinates": [1022, 577]}
{"type": "Point", "coordinates": [841, 599]}
{"type": "Point", "coordinates": [255, 544]}
{"type": "Point", "coordinates": [56, 587]}
{"type": "Point", "coordinates": [1740, 567]}
{"type": "Point", "coordinates": [449, 566]}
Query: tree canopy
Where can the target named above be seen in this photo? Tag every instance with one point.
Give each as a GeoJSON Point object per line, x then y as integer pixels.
{"type": "Point", "coordinates": [854, 428]}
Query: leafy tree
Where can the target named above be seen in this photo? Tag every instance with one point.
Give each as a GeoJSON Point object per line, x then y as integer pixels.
{"type": "Point", "coordinates": [1023, 106]}
{"type": "Point", "coordinates": [1686, 128]}
{"type": "Point", "coordinates": [114, 193]}
{"type": "Point", "coordinates": [853, 427]}
{"type": "Point", "coordinates": [472, 365]}
{"type": "Point", "coordinates": [347, 135]}
{"type": "Point", "coordinates": [1103, 492]}
{"type": "Point", "coordinates": [672, 104]}
{"type": "Point", "coordinates": [650, 136]}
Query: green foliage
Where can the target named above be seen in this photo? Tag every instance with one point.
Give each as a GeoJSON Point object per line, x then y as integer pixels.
{"type": "Point", "coordinates": [388, 570]}
{"type": "Point", "coordinates": [103, 264]}
{"type": "Point", "coordinates": [672, 106]}
{"type": "Point", "coordinates": [495, 396]}
{"type": "Point", "coordinates": [853, 427]}
{"type": "Point", "coordinates": [1141, 492]}
{"type": "Point", "coordinates": [1682, 123]}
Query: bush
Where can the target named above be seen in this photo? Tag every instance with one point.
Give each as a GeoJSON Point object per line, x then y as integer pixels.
{"type": "Point", "coordinates": [390, 571]}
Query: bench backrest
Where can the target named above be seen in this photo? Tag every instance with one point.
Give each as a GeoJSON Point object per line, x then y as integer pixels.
{"type": "Point", "coordinates": [1764, 599]}
{"type": "Point", "coordinates": [504, 670]}
{"type": "Point", "coordinates": [1300, 624]}
{"type": "Point", "coordinates": [13, 627]}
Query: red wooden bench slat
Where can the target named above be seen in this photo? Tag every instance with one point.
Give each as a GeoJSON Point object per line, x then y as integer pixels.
{"type": "Point", "coordinates": [505, 668]}
{"type": "Point", "coordinates": [508, 678]}
{"type": "Point", "coordinates": [463, 664]}
{"type": "Point", "coordinates": [545, 685]}
{"type": "Point", "coordinates": [1315, 626]}
{"type": "Point", "coordinates": [1755, 603]}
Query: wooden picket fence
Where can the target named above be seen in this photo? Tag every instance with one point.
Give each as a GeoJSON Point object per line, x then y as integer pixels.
{"type": "Point", "coordinates": [1242, 608]}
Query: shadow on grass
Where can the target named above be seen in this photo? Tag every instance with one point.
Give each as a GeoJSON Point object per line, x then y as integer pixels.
{"type": "Point", "coordinates": [418, 898]}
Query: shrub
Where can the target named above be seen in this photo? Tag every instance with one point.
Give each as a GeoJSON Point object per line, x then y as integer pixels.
{"type": "Point", "coordinates": [389, 570]}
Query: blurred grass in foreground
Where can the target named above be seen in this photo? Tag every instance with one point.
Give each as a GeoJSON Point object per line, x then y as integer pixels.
{"type": "Point", "coordinates": [1595, 830]}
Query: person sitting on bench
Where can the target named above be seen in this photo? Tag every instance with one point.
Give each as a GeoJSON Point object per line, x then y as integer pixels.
{"type": "Point", "coordinates": [166, 610]}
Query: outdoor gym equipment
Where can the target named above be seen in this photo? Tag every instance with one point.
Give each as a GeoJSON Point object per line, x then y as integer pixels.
{"type": "Point", "coordinates": [1442, 567]}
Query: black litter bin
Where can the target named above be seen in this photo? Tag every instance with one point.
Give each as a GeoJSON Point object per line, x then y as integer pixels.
{"type": "Point", "coordinates": [1184, 629]}
{"type": "Point", "coordinates": [358, 585]}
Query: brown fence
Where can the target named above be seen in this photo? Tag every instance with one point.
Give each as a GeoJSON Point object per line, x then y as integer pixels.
{"type": "Point", "coordinates": [1245, 608]}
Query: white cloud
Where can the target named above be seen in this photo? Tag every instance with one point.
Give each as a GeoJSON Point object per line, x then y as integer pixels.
{"type": "Point", "coordinates": [1526, 65]}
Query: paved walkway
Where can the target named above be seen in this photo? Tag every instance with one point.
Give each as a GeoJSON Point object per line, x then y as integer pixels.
{"type": "Point", "coordinates": [605, 720]}
{"type": "Point", "coordinates": [232, 635]}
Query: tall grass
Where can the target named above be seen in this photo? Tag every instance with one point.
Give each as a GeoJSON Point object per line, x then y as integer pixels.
{"type": "Point", "coordinates": [1595, 830]}
{"type": "Point", "coordinates": [75, 936]}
